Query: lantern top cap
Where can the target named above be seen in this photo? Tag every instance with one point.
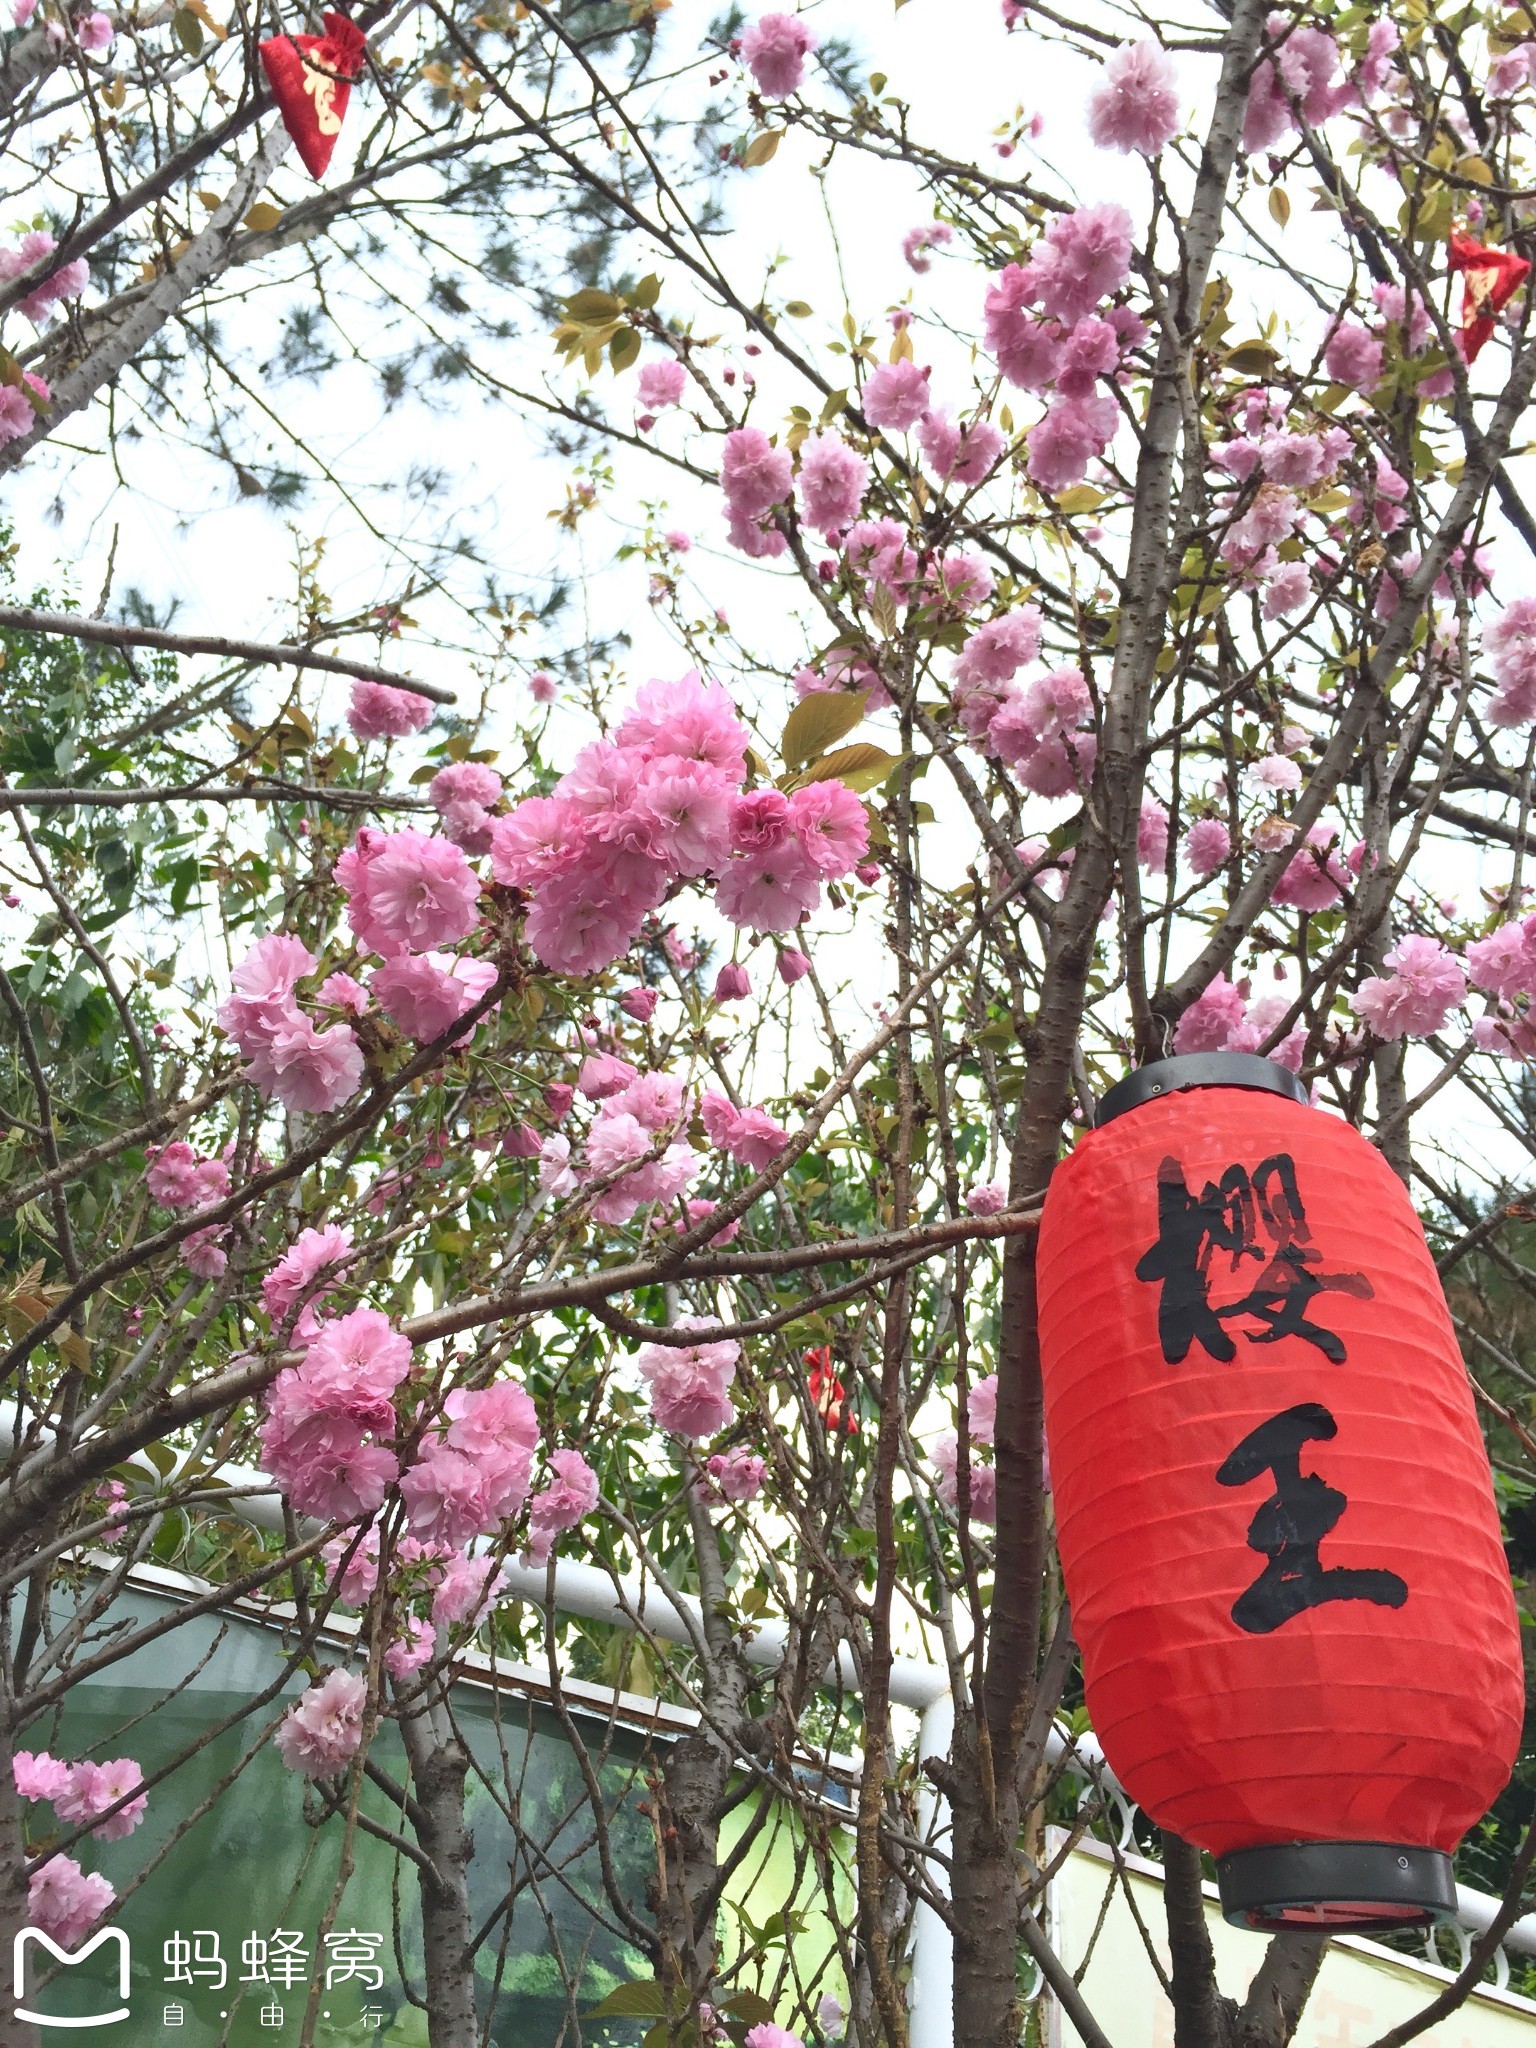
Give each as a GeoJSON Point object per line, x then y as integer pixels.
{"type": "Point", "coordinates": [1198, 1070]}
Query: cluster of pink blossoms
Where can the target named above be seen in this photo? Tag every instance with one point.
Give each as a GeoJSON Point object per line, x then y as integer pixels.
{"type": "Point", "coordinates": [17, 415]}
{"type": "Point", "coordinates": [63, 1903]}
{"type": "Point", "coordinates": [567, 1496]}
{"type": "Point", "coordinates": [1136, 107]}
{"type": "Point", "coordinates": [324, 1414]}
{"type": "Point", "coordinates": [305, 1069]}
{"type": "Point", "coordinates": [659, 803]}
{"type": "Point", "coordinates": [1510, 643]}
{"type": "Point", "coordinates": [473, 1476]}
{"type": "Point", "coordinates": [1504, 963]}
{"type": "Point", "coordinates": [1069, 345]}
{"type": "Point", "coordinates": [79, 1792]}
{"type": "Point", "coordinates": [1221, 1019]}
{"type": "Point", "coordinates": [177, 1178]}
{"type": "Point", "coordinates": [298, 1279]}
{"type": "Point", "coordinates": [377, 712]}
{"type": "Point", "coordinates": [633, 1141]}
{"type": "Point", "coordinates": [462, 795]}
{"type": "Point", "coordinates": [690, 1385]}
{"type": "Point", "coordinates": [408, 895]}
{"type": "Point", "coordinates": [67, 282]}
{"type": "Point", "coordinates": [774, 50]}
{"type": "Point", "coordinates": [981, 1413]}
{"type": "Point", "coordinates": [1304, 78]}
{"type": "Point", "coordinates": [1034, 729]}
{"type": "Point", "coordinates": [322, 1733]}
{"type": "Point", "coordinates": [735, 1475]}
{"type": "Point", "coordinates": [1426, 984]}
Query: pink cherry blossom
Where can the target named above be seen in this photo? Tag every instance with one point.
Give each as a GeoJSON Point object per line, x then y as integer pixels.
{"type": "Point", "coordinates": [341, 992]}
{"type": "Point", "coordinates": [774, 50]}
{"type": "Point", "coordinates": [410, 1650]}
{"type": "Point", "coordinates": [987, 1198]}
{"type": "Point", "coordinates": [39, 1775]}
{"type": "Point", "coordinates": [323, 1732]}
{"type": "Point", "coordinates": [896, 396]}
{"type": "Point", "coordinates": [981, 1480]}
{"type": "Point", "coordinates": [731, 983]}
{"type": "Point", "coordinates": [556, 1175]}
{"type": "Point", "coordinates": [376, 712]}
{"type": "Point", "coordinates": [178, 1179]}
{"type": "Point", "coordinates": [960, 454]}
{"type": "Point", "coordinates": [296, 1277]}
{"type": "Point", "coordinates": [542, 687]}
{"type": "Point", "coordinates": [63, 1903]}
{"type": "Point", "coordinates": [1207, 846]}
{"type": "Point", "coordinates": [770, 891]}
{"type": "Point", "coordinates": [360, 1573]}
{"type": "Point", "coordinates": [1210, 1020]}
{"type": "Point", "coordinates": [1152, 834]}
{"type": "Point", "coordinates": [1418, 996]}
{"type": "Point", "coordinates": [407, 892]}
{"type": "Point", "coordinates": [690, 1386]}
{"type": "Point", "coordinates": [1073, 432]}
{"type": "Point", "coordinates": [1084, 258]}
{"type": "Point", "coordinates": [202, 1253]}
{"type": "Point", "coordinates": [981, 1409]}
{"type": "Point", "coordinates": [934, 234]}
{"type": "Point", "coordinates": [1136, 107]}
{"type": "Point", "coordinates": [1313, 879]}
{"type": "Point", "coordinates": [640, 1003]}
{"type": "Point", "coordinates": [427, 993]}
{"type": "Point", "coordinates": [466, 1589]}
{"type": "Point", "coordinates": [1504, 962]}
{"type": "Point", "coordinates": [95, 32]}
{"type": "Point", "coordinates": [754, 474]}
{"type": "Point", "coordinates": [736, 1475]}
{"type": "Point", "coordinates": [308, 1070]}
{"type": "Point", "coordinates": [1353, 356]}
{"type": "Point", "coordinates": [569, 1494]}
{"type": "Point", "coordinates": [1510, 644]}
{"type": "Point", "coordinates": [833, 478]}
{"type": "Point", "coordinates": [791, 966]}
{"type": "Point", "coordinates": [831, 826]}
{"type": "Point", "coordinates": [1287, 590]}
{"type": "Point", "coordinates": [663, 380]}
{"type": "Point", "coordinates": [93, 1788]}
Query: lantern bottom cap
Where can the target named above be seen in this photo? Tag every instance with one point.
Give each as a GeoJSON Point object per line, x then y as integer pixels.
{"type": "Point", "coordinates": [1337, 1887]}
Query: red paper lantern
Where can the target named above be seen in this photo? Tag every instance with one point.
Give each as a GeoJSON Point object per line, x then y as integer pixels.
{"type": "Point", "coordinates": [1273, 1504]}
{"type": "Point", "coordinates": [311, 79]}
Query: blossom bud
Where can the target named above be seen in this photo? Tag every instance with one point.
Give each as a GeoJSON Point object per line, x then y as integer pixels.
{"type": "Point", "coordinates": [732, 983]}
{"type": "Point", "coordinates": [640, 1003]}
{"type": "Point", "coordinates": [792, 966]}
{"type": "Point", "coordinates": [558, 1097]}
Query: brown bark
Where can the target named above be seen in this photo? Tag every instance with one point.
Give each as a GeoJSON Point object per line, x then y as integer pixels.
{"type": "Point", "coordinates": [439, 1769]}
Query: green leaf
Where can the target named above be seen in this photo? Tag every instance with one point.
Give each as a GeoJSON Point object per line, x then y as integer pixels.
{"type": "Point", "coordinates": [797, 309]}
{"type": "Point", "coordinates": [639, 2001]}
{"type": "Point", "coordinates": [624, 348]}
{"type": "Point", "coordinates": [646, 292]}
{"type": "Point", "coordinates": [1079, 498]}
{"type": "Point", "coordinates": [862, 768]}
{"type": "Point", "coordinates": [189, 31]}
{"type": "Point", "coordinates": [818, 722]}
{"type": "Point", "coordinates": [1251, 358]}
{"type": "Point", "coordinates": [590, 305]}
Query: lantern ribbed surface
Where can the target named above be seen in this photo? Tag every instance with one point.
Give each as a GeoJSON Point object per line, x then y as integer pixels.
{"type": "Point", "coordinates": [1321, 1644]}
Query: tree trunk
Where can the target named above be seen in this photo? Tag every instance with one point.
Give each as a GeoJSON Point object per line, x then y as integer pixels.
{"type": "Point", "coordinates": [439, 1768]}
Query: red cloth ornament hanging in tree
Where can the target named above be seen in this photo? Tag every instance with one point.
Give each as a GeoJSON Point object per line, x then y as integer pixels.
{"type": "Point", "coordinates": [1489, 280]}
{"type": "Point", "coordinates": [828, 1392]}
{"type": "Point", "coordinates": [312, 79]}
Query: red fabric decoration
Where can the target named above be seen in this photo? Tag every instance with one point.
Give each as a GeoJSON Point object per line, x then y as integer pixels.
{"type": "Point", "coordinates": [1489, 280]}
{"type": "Point", "coordinates": [828, 1392]}
{"type": "Point", "coordinates": [1274, 1508]}
{"type": "Point", "coordinates": [311, 79]}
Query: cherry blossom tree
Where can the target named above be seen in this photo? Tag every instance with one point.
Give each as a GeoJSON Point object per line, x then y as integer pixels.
{"type": "Point", "coordinates": [607, 1121]}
